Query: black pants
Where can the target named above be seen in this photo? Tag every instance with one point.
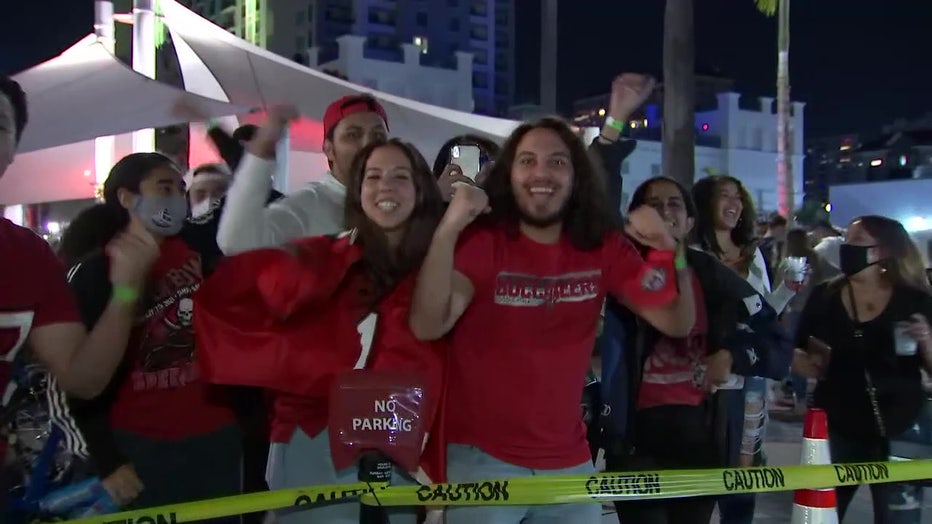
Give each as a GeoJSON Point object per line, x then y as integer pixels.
{"type": "Point", "coordinates": [196, 468]}
{"type": "Point", "coordinates": [668, 437]}
{"type": "Point", "coordinates": [851, 450]}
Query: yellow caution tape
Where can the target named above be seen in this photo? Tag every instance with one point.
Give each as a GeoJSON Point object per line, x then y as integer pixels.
{"type": "Point", "coordinates": [540, 490]}
{"type": "Point", "coordinates": [236, 505]}
{"type": "Point", "coordinates": [643, 485]}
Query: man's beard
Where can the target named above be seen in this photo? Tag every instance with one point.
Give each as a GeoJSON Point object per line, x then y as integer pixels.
{"type": "Point", "coordinates": [542, 221]}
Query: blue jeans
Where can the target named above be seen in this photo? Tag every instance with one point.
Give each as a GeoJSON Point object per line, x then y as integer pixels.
{"type": "Point", "coordinates": [306, 461]}
{"type": "Point", "coordinates": [470, 464]}
{"type": "Point", "coordinates": [748, 433]}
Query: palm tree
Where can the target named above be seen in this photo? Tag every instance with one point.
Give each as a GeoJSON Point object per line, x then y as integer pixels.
{"type": "Point", "coordinates": [679, 133]}
{"type": "Point", "coordinates": [679, 92]}
{"type": "Point", "coordinates": [786, 192]}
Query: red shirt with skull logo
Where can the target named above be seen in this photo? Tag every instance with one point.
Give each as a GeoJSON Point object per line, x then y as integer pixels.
{"type": "Point", "coordinates": [33, 293]}
{"type": "Point", "coordinates": [159, 392]}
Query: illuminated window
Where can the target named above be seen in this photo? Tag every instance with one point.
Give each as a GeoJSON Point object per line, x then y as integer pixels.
{"type": "Point", "coordinates": [421, 42]}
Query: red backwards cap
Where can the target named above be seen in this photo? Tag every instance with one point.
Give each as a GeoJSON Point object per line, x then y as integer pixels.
{"type": "Point", "coordinates": [347, 106]}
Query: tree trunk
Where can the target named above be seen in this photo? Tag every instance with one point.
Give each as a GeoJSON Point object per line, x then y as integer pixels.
{"type": "Point", "coordinates": [679, 105]}
{"type": "Point", "coordinates": [785, 180]}
{"type": "Point", "coordinates": [548, 56]}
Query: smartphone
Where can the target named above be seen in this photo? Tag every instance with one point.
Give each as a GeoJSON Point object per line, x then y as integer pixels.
{"type": "Point", "coordinates": [468, 158]}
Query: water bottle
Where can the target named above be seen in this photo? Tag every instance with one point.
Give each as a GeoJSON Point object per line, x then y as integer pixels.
{"type": "Point", "coordinates": [78, 498]}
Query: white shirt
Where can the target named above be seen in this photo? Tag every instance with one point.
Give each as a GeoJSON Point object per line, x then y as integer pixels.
{"type": "Point", "coordinates": [248, 223]}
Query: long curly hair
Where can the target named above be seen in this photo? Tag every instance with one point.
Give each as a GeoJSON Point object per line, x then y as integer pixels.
{"type": "Point", "coordinates": [588, 216]}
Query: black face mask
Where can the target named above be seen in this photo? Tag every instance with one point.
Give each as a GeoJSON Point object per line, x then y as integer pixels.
{"type": "Point", "coordinates": [853, 259]}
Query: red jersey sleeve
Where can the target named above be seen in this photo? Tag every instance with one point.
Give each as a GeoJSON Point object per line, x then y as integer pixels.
{"type": "Point", "coordinates": [54, 300]}
{"type": "Point", "coordinates": [474, 253]}
{"type": "Point", "coordinates": [631, 278]}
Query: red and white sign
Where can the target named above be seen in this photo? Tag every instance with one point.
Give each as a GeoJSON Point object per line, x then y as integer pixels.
{"type": "Point", "coordinates": [377, 411]}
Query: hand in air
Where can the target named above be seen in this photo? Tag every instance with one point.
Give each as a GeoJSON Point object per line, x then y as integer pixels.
{"type": "Point", "coordinates": [131, 257]}
{"type": "Point", "coordinates": [647, 227]}
{"type": "Point", "coordinates": [629, 92]}
{"type": "Point", "coordinates": [468, 202]}
{"type": "Point", "coordinates": [266, 140]}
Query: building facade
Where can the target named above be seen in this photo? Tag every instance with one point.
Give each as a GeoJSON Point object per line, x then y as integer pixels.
{"type": "Point", "coordinates": [440, 29]}
{"type": "Point", "coordinates": [732, 138]}
{"type": "Point", "coordinates": [410, 78]}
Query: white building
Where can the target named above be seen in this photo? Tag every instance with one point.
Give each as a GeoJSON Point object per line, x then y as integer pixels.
{"type": "Point", "coordinates": [450, 88]}
{"type": "Point", "coordinates": [730, 140]}
{"type": "Point", "coordinates": [741, 143]}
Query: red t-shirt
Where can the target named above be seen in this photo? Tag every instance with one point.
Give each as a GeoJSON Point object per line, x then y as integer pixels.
{"type": "Point", "coordinates": [521, 350]}
{"type": "Point", "coordinates": [673, 372]}
{"type": "Point", "coordinates": [33, 293]}
{"type": "Point", "coordinates": [161, 394]}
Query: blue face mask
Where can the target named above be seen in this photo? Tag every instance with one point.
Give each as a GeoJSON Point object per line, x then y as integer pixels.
{"type": "Point", "coordinates": [163, 215]}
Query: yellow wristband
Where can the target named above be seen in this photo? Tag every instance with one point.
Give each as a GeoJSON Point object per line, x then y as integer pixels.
{"type": "Point", "coordinates": [125, 294]}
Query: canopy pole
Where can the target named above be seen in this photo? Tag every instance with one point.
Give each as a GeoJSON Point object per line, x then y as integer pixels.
{"type": "Point", "coordinates": [144, 61]}
{"type": "Point", "coordinates": [104, 146]}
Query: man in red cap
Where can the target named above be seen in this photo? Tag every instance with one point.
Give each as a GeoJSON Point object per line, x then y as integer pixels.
{"type": "Point", "coordinates": [350, 124]}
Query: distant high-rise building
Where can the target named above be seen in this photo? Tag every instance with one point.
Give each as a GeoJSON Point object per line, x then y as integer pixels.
{"type": "Point", "coordinates": [440, 28]}
{"type": "Point", "coordinates": [829, 161]}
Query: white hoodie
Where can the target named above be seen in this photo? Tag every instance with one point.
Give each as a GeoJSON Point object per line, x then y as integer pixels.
{"type": "Point", "coordinates": [248, 223]}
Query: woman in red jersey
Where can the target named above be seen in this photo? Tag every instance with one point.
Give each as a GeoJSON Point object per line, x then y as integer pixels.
{"type": "Point", "coordinates": [291, 319]}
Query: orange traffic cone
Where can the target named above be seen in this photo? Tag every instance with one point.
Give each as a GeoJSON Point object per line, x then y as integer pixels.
{"type": "Point", "coordinates": [815, 506]}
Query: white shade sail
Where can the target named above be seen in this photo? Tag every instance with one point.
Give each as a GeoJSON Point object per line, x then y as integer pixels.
{"type": "Point", "coordinates": [254, 77]}
{"type": "Point", "coordinates": [86, 92]}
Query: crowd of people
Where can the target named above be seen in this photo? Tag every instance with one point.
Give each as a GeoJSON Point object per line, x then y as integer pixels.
{"type": "Point", "coordinates": [193, 325]}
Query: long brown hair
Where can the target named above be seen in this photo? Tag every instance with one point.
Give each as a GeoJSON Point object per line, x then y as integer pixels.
{"type": "Point", "coordinates": [386, 266]}
{"type": "Point", "coordinates": [705, 195]}
{"type": "Point", "coordinates": [902, 262]}
{"type": "Point", "coordinates": [587, 218]}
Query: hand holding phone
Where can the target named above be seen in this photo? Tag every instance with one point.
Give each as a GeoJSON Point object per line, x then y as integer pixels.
{"type": "Point", "coordinates": [468, 158]}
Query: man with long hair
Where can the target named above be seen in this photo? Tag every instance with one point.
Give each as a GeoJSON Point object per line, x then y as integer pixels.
{"type": "Point", "coordinates": [525, 289]}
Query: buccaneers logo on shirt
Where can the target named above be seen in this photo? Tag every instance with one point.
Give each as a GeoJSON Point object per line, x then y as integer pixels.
{"type": "Point", "coordinates": [170, 342]}
{"type": "Point", "coordinates": [166, 352]}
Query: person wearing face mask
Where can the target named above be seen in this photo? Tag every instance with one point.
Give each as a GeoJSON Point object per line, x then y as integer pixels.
{"type": "Point", "coordinates": [158, 434]}
{"type": "Point", "coordinates": [350, 124]}
{"type": "Point", "coordinates": [675, 417]}
{"type": "Point", "coordinates": [865, 337]}
{"type": "Point", "coordinates": [207, 184]}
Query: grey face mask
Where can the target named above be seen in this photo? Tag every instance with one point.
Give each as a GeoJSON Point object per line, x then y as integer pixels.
{"type": "Point", "coordinates": [163, 216]}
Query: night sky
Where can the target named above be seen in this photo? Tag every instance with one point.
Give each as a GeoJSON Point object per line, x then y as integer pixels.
{"type": "Point", "coordinates": [859, 64]}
